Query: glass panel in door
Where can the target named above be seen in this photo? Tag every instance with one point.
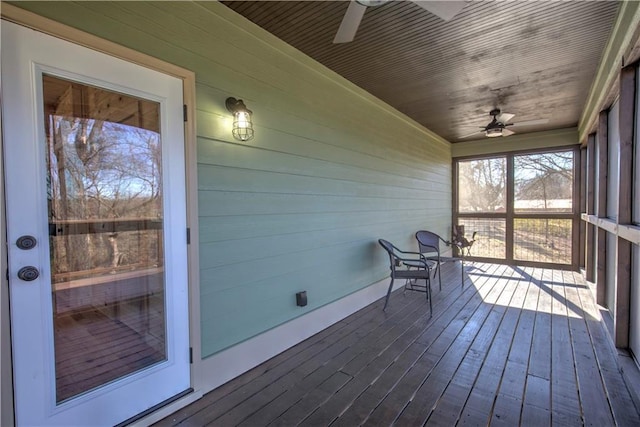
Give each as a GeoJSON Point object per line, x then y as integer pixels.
{"type": "Point", "coordinates": [105, 234]}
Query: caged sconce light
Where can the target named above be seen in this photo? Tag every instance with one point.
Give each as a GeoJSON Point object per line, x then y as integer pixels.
{"type": "Point", "coordinates": [242, 125]}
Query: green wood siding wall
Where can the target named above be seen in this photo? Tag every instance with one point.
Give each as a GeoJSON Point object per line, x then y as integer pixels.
{"type": "Point", "coordinates": [301, 206]}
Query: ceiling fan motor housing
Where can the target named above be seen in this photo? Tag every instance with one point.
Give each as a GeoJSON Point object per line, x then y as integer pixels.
{"type": "Point", "coordinates": [372, 3]}
{"type": "Point", "coordinates": [494, 128]}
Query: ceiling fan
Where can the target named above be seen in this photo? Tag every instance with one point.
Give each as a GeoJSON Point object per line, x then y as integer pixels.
{"type": "Point", "coordinates": [351, 21]}
{"type": "Point", "coordinates": [498, 125]}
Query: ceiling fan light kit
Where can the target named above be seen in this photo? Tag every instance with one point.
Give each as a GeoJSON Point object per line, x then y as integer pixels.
{"type": "Point", "coordinates": [492, 133]}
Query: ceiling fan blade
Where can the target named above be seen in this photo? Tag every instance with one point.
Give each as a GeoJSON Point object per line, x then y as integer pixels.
{"type": "Point", "coordinates": [507, 132]}
{"type": "Point", "coordinates": [350, 23]}
{"type": "Point", "coordinates": [445, 10]}
{"type": "Point", "coordinates": [505, 117]}
{"type": "Point", "coordinates": [532, 122]}
{"type": "Point", "coordinates": [476, 133]}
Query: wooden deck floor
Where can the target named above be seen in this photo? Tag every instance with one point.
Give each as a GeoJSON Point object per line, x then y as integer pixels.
{"type": "Point", "coordinates": [517, 346]}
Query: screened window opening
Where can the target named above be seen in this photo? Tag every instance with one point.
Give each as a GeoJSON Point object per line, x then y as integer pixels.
{"type": "Point", "coordinates": [520, 205]}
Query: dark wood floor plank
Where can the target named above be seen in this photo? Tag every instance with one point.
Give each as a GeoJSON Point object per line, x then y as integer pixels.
{"type": "Point", "coordinates": [481, 398]}
{"type": "Point", "coordinates": [478, 356]}
{"type": "Point", "coordinates": [306, 404]}
{"type": "Point", "coordinates": [315, 370]}
{"type": "Point", "coordinates": [341, 398]}
{"type": "Point", "coordinates": [593, 398]}
{"type": "Point", "coordinates": [367, 401]}
{"type": "Point", "coordinates": [521, 347]}
{"type": "Point", "coordinates": [533, 415]}
{"type": "Point", "coordinates": [363, 405]}
{"type": "Point", "coordinates": [364, 351]}
{"type": "Point", "coordinates": [537, 393]}
{"type": "Point", "coordinates": [297, 368]}
{"type": "Point", "coordinates": [251, 375]}
{"type": "Point", "coordinates": [506, 411]}
{"type": "Point", "coordinates": [615, 388]}
{"type": "Point", "coordinates": [516, 346]}
{"type": "Point", "coordinates": [513, 380]}
{"type": "Point", "coordinates": [510, 395]}
{"type": "Point", "coordinates": [540, 357]}
{"type": "Point", "coordinates": [393, 404]}
{"type": "Point", "coordinates": [565, 402]}
{"type": "Point", "coordinates": [422, 404]}
{"type": "Point", "coordinates": [385, 345]}
{"type": "Point", "coordinates": [480, 402]}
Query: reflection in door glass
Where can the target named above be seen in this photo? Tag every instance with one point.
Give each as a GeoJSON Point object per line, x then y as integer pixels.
{"type": "Point", "coordinates": [105, 212]}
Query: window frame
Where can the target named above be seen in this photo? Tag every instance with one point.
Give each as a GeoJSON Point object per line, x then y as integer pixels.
{"type": "Point", "coordinates": [510, 215]}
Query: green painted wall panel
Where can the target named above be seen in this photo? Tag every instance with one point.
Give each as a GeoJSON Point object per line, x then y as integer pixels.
{"type": "Point", "coordinates": [233, 203]}
{"type": "Point", "coordinates": [300, 207]}
{"type": "Point", "coordinates": [235, 251]}
{"type": "Point", "coordinates": [392, 155]}
{"type": "Point", "coordinates": [255, 181]}
{"type": "Point", "coordinates": [223, 228]}
{"type": "Point", "coordinates": [212, 152]}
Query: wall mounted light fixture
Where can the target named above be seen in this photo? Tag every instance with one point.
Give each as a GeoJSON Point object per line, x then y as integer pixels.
{"type": "Point", "coordinates": [242, 124]}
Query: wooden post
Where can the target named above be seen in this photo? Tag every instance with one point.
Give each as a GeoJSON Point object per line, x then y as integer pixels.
{"type": "Point", "coordinates": [509, 220]}
{"type": "Point", "coordinates": [623, 273]}
{"type": "Point", "coordinates": [601, 243]}
{"type": "Point", "coordinates": [582, 226]}
{"type": "Point", "coordinates": [590, 228]}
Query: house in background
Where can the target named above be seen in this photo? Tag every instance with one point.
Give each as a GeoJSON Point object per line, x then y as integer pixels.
{"type": "Point", "coordinates": [152, 256]}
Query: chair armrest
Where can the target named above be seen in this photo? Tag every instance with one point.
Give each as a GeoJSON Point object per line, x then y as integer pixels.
{"type": "Point", "coordinates": [418, 263]}
{"type": "Point", "coordinates": [420, 258]}
{"type": "Point", "coordinates": [409, 253]}
{"type": "Point", "coordinates": [446, 242]}
{"type": "Point", "coordinates": [416, 257]}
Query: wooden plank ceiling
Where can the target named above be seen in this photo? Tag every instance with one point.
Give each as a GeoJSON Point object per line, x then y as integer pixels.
{"type": "Point", "coordinates": [534, 59]}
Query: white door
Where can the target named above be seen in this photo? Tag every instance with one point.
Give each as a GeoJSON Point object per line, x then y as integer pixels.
{"type": "Point", "coordinates": [96, 230]}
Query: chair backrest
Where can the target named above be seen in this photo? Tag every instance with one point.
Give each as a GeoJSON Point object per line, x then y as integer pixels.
{"type": "Point", "coordinates": [391, 251]}
{"type": "Point", "coordinates": [428, 242]}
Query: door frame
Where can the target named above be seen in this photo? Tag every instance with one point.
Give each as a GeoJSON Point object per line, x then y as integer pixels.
{"type": "Point", "coordinates": [30, 20]}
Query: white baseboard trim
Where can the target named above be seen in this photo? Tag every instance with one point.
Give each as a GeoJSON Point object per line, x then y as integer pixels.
{"type": "Point", "coordinates": [228, 364]}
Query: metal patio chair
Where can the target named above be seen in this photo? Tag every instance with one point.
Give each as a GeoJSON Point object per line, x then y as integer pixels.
{"type": "Point", "coordinates": [411, 266]}
{"type": "Point", "coordinates": [461, 242]}
{"type": "Point", "coordinates": [429, 247]}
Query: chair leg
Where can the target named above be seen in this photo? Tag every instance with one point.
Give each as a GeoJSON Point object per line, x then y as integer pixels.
{"type": "Point", "coordinates": [386, 301]}
{"type": "Point", "coordinates": [408, 284]}
{"type": "Point", "coordinates": [430, 298]}
{"type": "Point", "coordinates": [439, 277]}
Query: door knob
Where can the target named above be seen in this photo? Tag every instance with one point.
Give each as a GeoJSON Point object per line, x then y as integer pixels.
{"type": "Point", "coordinates": [28, 273]}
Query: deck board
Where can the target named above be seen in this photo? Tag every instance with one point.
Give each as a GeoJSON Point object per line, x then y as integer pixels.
{"type": "Point", "coordinates": [515, 346]}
